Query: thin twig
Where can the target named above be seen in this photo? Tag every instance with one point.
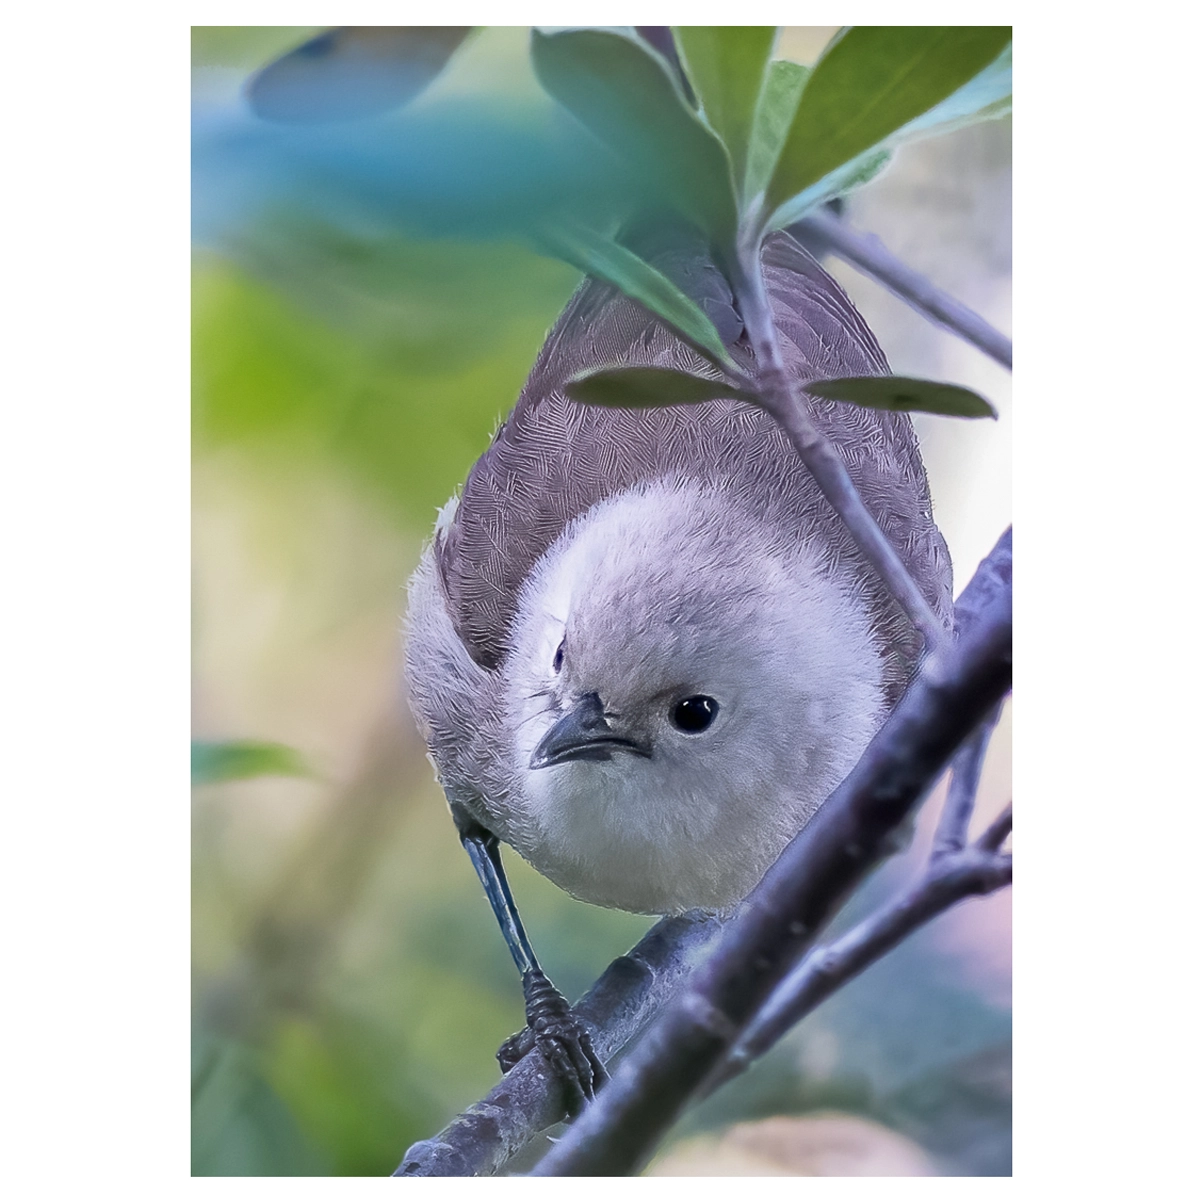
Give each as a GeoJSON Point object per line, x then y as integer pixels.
{"type": "Point", "coordinates": [866, 253]}
{"type": "Point", "coordinates": [955, 689]}
{"type": "Point", "coordinates": [994, 836]}
{"type": "Point", "coordinates": [777, 397]}
{"type": "Point", "coordinates": [952, 874]}
{"type": "Point", "coordinates": [950, 878]}
{"type": "Point", "coordinates": [951, 835]}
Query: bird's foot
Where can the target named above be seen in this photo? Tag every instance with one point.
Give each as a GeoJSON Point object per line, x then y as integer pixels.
{"type": "Point", "coordinates": [562, 1038]}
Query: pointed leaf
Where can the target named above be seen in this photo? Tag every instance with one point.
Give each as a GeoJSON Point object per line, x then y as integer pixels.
{"type": "Point", "coordinates": [984, 98]}
{"type": "Point", "coordinates": [605, 259]}
{"type": "Point", "coordinates": [626, 95]}
{"type": "Point", "coordinates": [726, 65]}
{"type": "Point", "coordinates": [649, 387]}
{"type": "Point", "coordinates": [219, 762]}
{"type": "Point", "coordinates": [772, 120]}
{"type": "Point", "coordinates": [845, 179]}
{"type": "Point", "coordinates": [870, 83]}
{"type": "Point", "coordinates": [353, 71]}
{"type": "Point", "coordinates": [895, 393]}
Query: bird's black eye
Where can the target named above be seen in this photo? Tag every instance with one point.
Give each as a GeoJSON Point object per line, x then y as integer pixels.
{"type": "Point", "coordinates": [694, 714]}
{"type": "Point", "coordinates": [558, 656]}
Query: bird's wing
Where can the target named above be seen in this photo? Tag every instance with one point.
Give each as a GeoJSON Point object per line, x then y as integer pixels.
{"type": "Point", "coordinates": [553, 459]}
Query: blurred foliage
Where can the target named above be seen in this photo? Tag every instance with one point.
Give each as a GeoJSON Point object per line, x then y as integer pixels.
{"type": "Point", "coordinates": [399, 393]}
{"type": "Point", "coordinates": [218, 762]}
{"type": "Point", "coordinates": [245, 47]}
{"type": "Point", "coordinates": [354, 348]}
{"type": "Point", "coordinates": [353, 71]}
{"type": "Point", "coordinates": [632, 102]}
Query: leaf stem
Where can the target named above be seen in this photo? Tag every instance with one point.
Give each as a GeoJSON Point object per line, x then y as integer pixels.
{"type": "Point", "coordinates": [776, 397]}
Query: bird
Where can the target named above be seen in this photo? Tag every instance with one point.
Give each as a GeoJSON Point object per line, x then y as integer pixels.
{"type": "Point", "coordinates": [641, 646]}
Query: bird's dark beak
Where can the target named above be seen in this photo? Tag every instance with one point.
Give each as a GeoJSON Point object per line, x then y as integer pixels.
{"type": "Point", "coordinates": [582, 734]}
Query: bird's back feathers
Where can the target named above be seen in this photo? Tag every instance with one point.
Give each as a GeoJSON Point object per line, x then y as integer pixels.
{"type": "Point", "coordinates": [552, 460]}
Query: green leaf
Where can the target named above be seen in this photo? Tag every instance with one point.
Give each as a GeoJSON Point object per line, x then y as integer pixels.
{"type": "Point", "coordinates": [984, 98]}
{"type": "Point", "coordinates": [219, 762]}
{"type": "Point", "coordinates": [845, 179]}
{"type": "Point", "coordinates": [626, 94]}
{"type": "Point", "coordinates": [605, 259]}
{"type": "Point", "coordinates": [649, 387]}
{"type": "Point", "coordinates": [772, 119]}
{"type": "Point", "coordinates": [895, 393]}
{"type": "Point", "coordinates": [870, 83]}
{"type": "Point", "coordinates": [726, 64]}
{"type": "Point", "coordinates": [353, 71]}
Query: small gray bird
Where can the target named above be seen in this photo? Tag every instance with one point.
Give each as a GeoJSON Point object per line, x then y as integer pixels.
{"type": "Point", "coordinates": [642, 647]}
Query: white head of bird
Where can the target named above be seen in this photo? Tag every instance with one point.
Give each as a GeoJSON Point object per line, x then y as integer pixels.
{"type": "Point", "coordinates": [685, 688]}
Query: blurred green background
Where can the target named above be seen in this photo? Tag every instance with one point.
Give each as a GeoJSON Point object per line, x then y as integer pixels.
{"type": "Point", "coordinates": [350, 986]}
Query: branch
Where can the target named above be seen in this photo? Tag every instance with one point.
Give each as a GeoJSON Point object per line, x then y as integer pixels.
{"type": "Point", "coordinates": [866, 253]}
{"type": "Point", "coordinates": [997, 832]}
{"type": "Point", "coordinates": [822, 459]}
{"type": "Point", "coordinates": [951, 835]}
{"type": "Point", "coordinates": [976, 871]}
{"type": "Point", "coordinates": [953, 873]}
{"type": "Point", "coordinates": [956, 688]}
{"type": "Point", "coordinates": [529, 1098]}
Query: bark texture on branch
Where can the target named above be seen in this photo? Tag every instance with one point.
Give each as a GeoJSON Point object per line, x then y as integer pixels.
{"type": "Point", "coordinates": [976, 871]}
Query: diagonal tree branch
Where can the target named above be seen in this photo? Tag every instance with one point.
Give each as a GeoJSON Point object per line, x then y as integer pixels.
{"type": "Point", "coordinates": [955, 690]}
{"type": "Point", "coordinates": [952, 874]}
{"type": "Point", "coordinates": [822, 231]}
{"type": "Point", "coordinates": [975, 871]}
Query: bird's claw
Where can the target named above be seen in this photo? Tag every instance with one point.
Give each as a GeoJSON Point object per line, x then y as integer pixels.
{"type": "Point", "coordinates": [513, 1049]}
{"type": "Point", "coordinates": [562, 1038]}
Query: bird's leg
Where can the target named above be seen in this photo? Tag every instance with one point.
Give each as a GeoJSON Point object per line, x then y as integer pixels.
{"type": "Point", "coordinates": [552, 1027]}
